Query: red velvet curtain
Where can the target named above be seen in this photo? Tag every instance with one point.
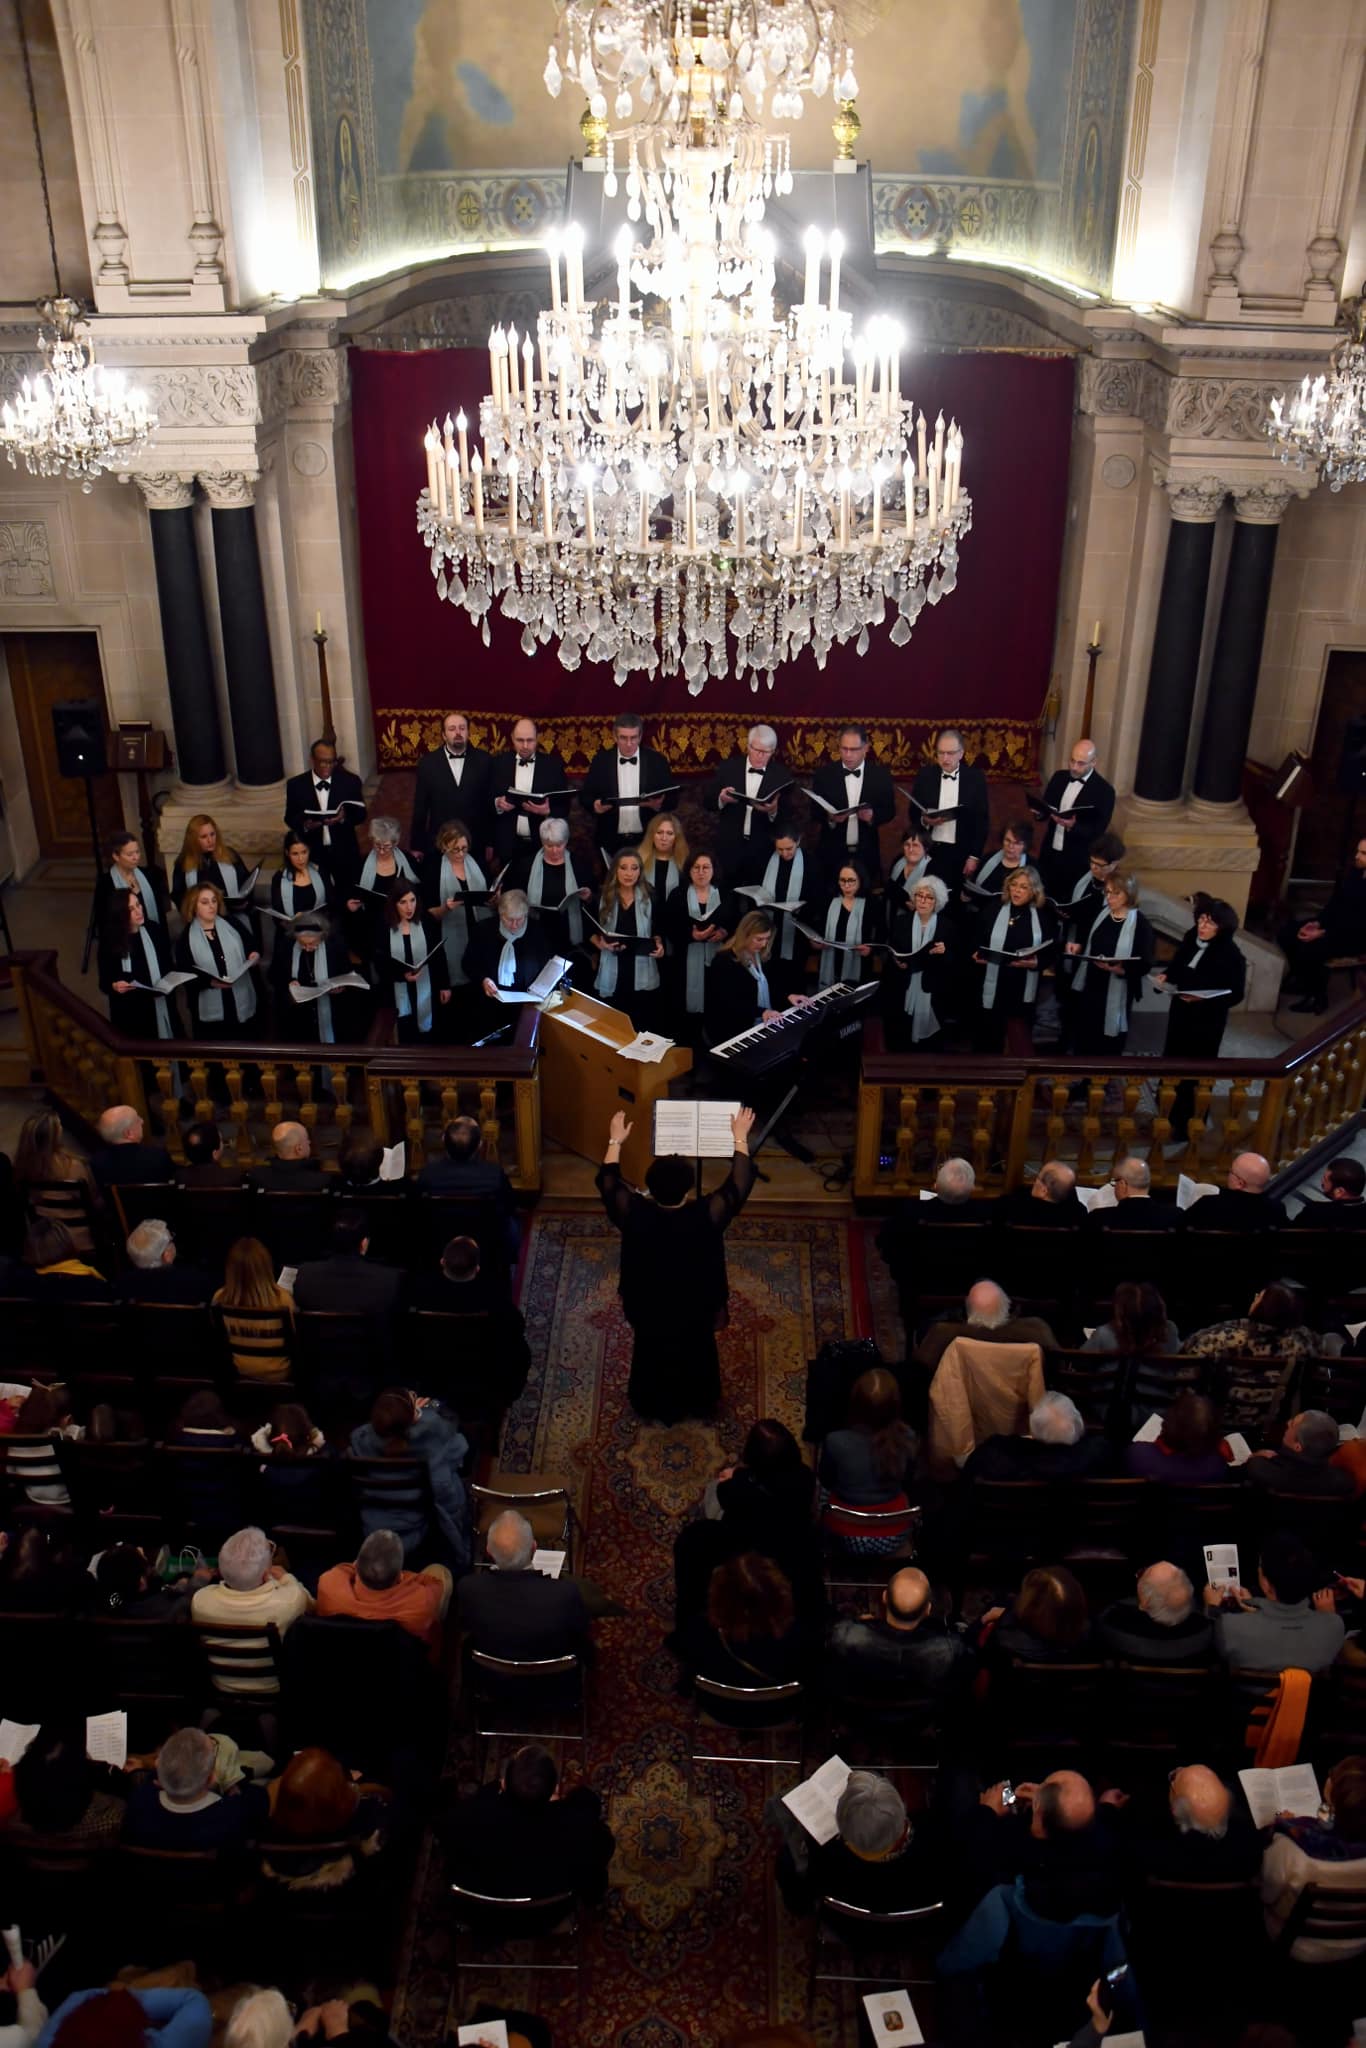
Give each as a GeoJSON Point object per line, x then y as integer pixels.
{"type": "Point", "coordinates": [980, 659]}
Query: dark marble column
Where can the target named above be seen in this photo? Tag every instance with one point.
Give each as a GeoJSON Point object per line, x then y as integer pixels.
{"type": "Point", "coordinates": [246, 635]}
{"type": "Point", "coordinates": [1238, 647]}
{"type": "Point", "coordinates": [1159, 777]}
{"type": "Point", "coordinates": [195, 723]}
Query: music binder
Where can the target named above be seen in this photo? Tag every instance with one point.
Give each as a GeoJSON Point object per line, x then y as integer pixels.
{"type": "Point", "coordinates": [758, 803]}
{"type": "Point", "coordinates": [629, 942]}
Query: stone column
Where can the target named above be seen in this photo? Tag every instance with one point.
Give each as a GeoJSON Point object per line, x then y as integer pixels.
{"type": "Point", "coordinates": [246, 635]}
{"type": "Point", "coordinates": [1159, 777]}
{"type": "Point", "coordinates": [198, 733]}
{"type": "Point", "coordinates": [1238, 647]}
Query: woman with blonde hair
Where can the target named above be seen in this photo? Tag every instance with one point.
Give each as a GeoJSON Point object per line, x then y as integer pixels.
{"type": "Point", "coordinates": [1012, 942]}
{"type": "Point", "coordinates": [738, 995]}
{"type": "Point", "coordinates": [628, 947]}
{"type": "Point", "coordinates": [54, 1183]}
{"type": "Point", "coordinates": [258, 1340]}
{"type": "Point", "coordinates": [1113, 960]}
{"type": "Point", "coordinates": [205, 857]}
{"type": "Point", "coordinates": [663, 857]}
{"type": "Point", "coordinates": [462, 896]}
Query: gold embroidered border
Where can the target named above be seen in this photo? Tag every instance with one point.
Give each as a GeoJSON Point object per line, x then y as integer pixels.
{"type": "Point", "coordinates": [698, 741]}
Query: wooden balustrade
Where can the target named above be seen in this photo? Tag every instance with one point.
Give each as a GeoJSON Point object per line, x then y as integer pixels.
{"type": "Point", "coordinates": [391, 1091]}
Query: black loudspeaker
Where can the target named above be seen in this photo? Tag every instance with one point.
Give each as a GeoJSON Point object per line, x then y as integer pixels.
{"type": "Point", "coordinates": [78, 728]}
{"type": "Point", "coordinates": [1352, 760]}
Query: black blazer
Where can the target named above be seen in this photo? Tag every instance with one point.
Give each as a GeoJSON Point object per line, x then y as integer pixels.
{"type": "Point", "coordinates": [343, 856]}
{"type": "Point", "coordinates": [879, 793]}
{"type": "Point", "coordinates": [732, 847]}
{"type": "Point", "coordinates": [348, 1283]}
{"type": "Point", "coordinates": [134, 1015]}
{"type": "Point", "coordinates": [1076, 851]}
{"type": "Point", "coordinates": [436, 798]}
{"type": "Point", "coordinates": [731, 1002]}
{"type": "Point", "coordinates": [551, 773]}
{"type": "Point", "coordinates": [973, 802]}
{"type": "Point", "coordinates": [1194, 1030]}
{"type": "Point", "coordinates": [600, 783]}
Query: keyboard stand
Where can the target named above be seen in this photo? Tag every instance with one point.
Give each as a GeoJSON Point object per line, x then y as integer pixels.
{"type": "Point", "coordinates": [792, 1146]}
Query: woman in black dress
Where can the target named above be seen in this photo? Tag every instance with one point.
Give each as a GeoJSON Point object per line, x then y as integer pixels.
{"type": "Point", "coordinates": [663, 859]}
{"type": "Point", "coordinates": [1010, 989]}
{"type": "Point", "coordinates": [125, 871]}
{"type": "Point", "coordinates": [918, 978]}
{"type": "Point", "coordinates": [738, 993]}
{"type": "Point", "coordinates": [460, 881]}
{"type": "Point", "coordinates": [307, 954]}
{"type": "Point", "coordinates": [628, 978]}
{"type": "Point", "coordinates": [385, 864]}
{"type": "Point", "coordinates": [789, 878]}
{"type": "Point", "coordinates": [1017, 841]}
{"type": "Point", "coordinates": [916, 860]}
{"type": "Point", "coordinates": [554, 889]}
{"type": "Point", "coordinates": [223, 1000]}
{"type": "Point", "coordinates": [133, 950]}
{"type": "Point", "coordinates": [297, 886]}
{"type": "Point", "coordinates": [1208, 957]}
{"type": "Point", "coordinates": [412, 962]}
{"type": "Point", "coordinates": [1108, 982]}
{"type": "Point", "coordinates": [849, 926]}
{"type": "Point", "coordinates": [206, 859]}
{"type": "Point", "coordinates": [698, 919]}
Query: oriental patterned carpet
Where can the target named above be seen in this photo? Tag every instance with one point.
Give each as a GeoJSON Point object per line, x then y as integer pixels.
{"type": "Point", "coordinates": [692, 1942]}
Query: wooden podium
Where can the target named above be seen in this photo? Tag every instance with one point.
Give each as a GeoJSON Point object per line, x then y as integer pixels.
{"type": "Point", "coordinates": [585, 1079]}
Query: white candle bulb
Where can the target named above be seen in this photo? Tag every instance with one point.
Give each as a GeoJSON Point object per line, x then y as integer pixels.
{"type": "Point", "coordinates": [908, 478]}
{"type": "Point", "coordinates": [552, 250]}
{"type": "Point", "coordinates": [429, 443]}
{"type": "Point", "coordinates": [920, 469]}
{"type": "Point", "coordinates": [477, 480]}
{"type": "Point", "coordinates": [461, 423]}
{"type": "Point", "coordinates": [813, 265]}
{"type": "Point", "coordinates": [453, 478]}
{"type": "Point", "coordinates": [836, 246]}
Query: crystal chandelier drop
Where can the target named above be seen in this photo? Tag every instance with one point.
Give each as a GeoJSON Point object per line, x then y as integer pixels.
{"type": "Point", "coordinates": [74, 418]}
{"type": "Point", "coordinates": [1326, 422]}
{"type": "Point", "coordinates": [686, 475]}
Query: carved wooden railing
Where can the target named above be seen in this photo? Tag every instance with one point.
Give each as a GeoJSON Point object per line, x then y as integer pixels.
{"type": "Point", "coordinates": [391, 1091]}
{"type": "Point", "coordinates": [1004, 1115]}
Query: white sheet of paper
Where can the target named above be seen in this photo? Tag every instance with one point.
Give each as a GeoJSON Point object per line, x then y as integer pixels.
{"type": "Point", "coordinates": [813, 1802]}
{"type": "Point", "coordinates": [715, 1138]}
{"type": "Point", "coordinates": [696, 1130]}
{"type": "Point", "coordinates": [1348, 1432]}
{"type": "Point", "coordinates": [1293, 1789]}
{"type": "Point", "coordinates": [551, 975]}
{"type": "Point", "coordinates": [1240, 1450]}
{"type": "Point", "coordinates": [241, 895]}
{"type": "Point", "coordinates": [489, 2033]}
{"type": "Point", "coordinates": [173, 979]}
{"type": "Point", "coordinates": [1354, 1330]}
{"type": "Point", "coordinates": [392, 1162]}
{"type": "Point", "coordinates": [1221, 1564]}
{"type": "Point", "coordinates": [891, 2018]}
{"type": "Point", "coordinates": [106, 1738]}
{"type": "Point", "coordinates": [14, 1946]}
{"type": "Point", "coordinates": [928, 1194]}
{"type": "Point", "coordinates": [1103, 1197]}
{"type": "Point", "coordinates": [1092, 1331]}
{"type": "Point", "coordinates": [287, 1276]}
{"type": "Point", "coordinates": [1188, 1190]}
{"type": "Point", "coordinates": [1150, 1432]}
{"type": "Point", "coordinates": [15, 1737]}
{"type": "Point", "coordinates": [549, 1563]}
{"type": "Point", "coordinates": [326, 988]}
{"type": "Point", "coordinates": [648, 1047]}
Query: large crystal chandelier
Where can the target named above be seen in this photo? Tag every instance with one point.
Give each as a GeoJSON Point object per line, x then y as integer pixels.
{"type": "Point", "coordinates": [684, 474]}
{"type": "Point", "coordinates": [1326, 422]}
{"type": "Point", "coordinates": [74, 418]}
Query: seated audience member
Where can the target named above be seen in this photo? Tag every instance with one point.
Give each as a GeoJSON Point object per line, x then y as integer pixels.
{"type": "Point", "coordinates": [121, 1156]}
{"type": "Point", "coordinates": [252, 1589]}
{"type": "Point", "coordinates": [406, 1425]}
{"type": "Point", "coordinates": [1330, 1852]}
{"type": "Point", "coordinates": [1139, 1325]}
{"type": "Point", "coordinates": [204, 1424]}
{"type": "Point", "coordinates": [181, 1808]}
{"type": "Point", "coordinates": [766, 1503]}
{"type": "Point", "coordinates": [1055, 1840]}
{"type": "Point", "coordinates": [1270, 1329]}
{"type": "Point", "coordinates": [44, 1412]}
{"type": "Point", "coordinates": [48, 1175]}
{"type": "Point", "coordinates": [259, 1342]}
{"type": "Point", "coordinates": [903, 1649]}
{"type": "Point", "coordinates": [1242, 1203]}
{"type": "Point", "coordinates": [58, 1791]}
{"type": "Point", "coordinates": [205, 1166]}
{"type": "Point", "coordinates": [1057, 1447]}
{"type": "Point", "coordinates": [1046, 1622]}
{"type": "Point", "coordinates": [515, 1611]}
{"type": "Point", "coordinates": [298, 1468]}
{"type": "Point", "coordinates": [953, 1203]}
{"type": "Point", "coordinates": [1187, 1451]}
{"type": "Point", "coordinates": [293, 1165]}
{"type": "Point", "coordinates": [1050, 1198]}
{"type": "Point", "coordinates": [1344, 1205]}
{"type": "Point", "coordinates": [750, 1635]}
{"type": "Point", "coordinates": [494, 1355]}
{"type": "Point", "coordinates": [1134, 1207]}
{"type": "Point", "coordinates": [523, 1833]}
{"type": "Point", "coordinates": [1290, 1624]}
{"type": "Point", "coordinates": [1161, 1624]}
{"type": "Point", "coordinates": [989, 1318]}
{"type": "Point", "coordinates": [869, 1464]}
{"type": "Point", "coordinates": [316, 1799]}
{"type": "Point", "coordinates": [346, 1279]}
{"type": "Point", "coordinates": [1304, 1462]}
{"type": "Point", "coordinates": [61, 1271]}
{"type": "Point", "coordinates": [876, 1859]}
{"type": "Point", "coordinates": [358, 1170]}
{"type": "Point", "coordinates": [128, 1589]}
{"type": "Point", "coordinates": [120, 2018]}
{"type": "Point", "coordinates": [40, 1575]}
{"type": "Point", "coordinates": [154, 1273]}
{"type": "Point", "coordinates": [459, 1283]}
{"type": "Point", "coordinates": [1198, 1831]}
{"type": "Point", "coordinates": [263, 2019]}
{"type": "Point", "coordinates": [377, 1588]}
{"type": "Point", "coordinates": [461, 1171]}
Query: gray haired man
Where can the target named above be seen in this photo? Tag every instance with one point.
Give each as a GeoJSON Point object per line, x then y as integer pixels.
{"type": "Point", "coordinates": [751, 794]}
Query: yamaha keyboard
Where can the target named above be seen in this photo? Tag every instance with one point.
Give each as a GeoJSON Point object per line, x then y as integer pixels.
{"type": "Point", "coordinates": [766, 1045]}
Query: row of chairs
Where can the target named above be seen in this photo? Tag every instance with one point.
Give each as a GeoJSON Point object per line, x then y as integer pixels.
{"type": "Point", "coordinates": [1253, 1394]}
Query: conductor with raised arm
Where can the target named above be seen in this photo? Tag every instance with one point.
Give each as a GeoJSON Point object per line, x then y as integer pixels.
{"type": "Point", "coordinates": [752, 795]}
{"type": "Point", "coordinates": [618, 773]}
{"type": "Point", "coordinates": [525, 769]}
{"type": "Point", "coordinates": [668, 1236]}
{"type": "Point", "coordinates": [860, 787]}
{"type": "Point", "coordinates": [453, 781]}
{"type": "Point", "coordinates": [325, 787]}
{"type": "Point", "coordinates": [1079, 803]}
{"type": "Point", "coordinates": [949, 785]}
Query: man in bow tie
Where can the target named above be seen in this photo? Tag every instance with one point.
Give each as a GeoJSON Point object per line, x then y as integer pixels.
{"type": "Point", "coordinates": [1086, 804]}
{"type": "Point", "coordinates": [622, 771]}
{"type": "Point", "coordinates": [526, 768]}
{"type": "Point", "coordinates": [948, 784]}
{"type": "Point", "coordinates": [860, 787]}
{"type": "Point", "coordinates": [324, 787]}
{"type": "Point", "coordinates": [752, 793]}
{"type": "Point", "coordinates": [454, 781]}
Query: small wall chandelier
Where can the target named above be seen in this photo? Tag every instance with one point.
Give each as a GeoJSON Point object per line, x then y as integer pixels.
{"type": "Point", "coordinates": [1326, 422]}
{"type": "Point", "coordinates": [74, 418]}
{"type": "Point", "coordinates": [692, 477]}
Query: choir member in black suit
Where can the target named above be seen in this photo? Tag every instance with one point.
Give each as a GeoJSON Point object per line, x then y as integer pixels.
{"type": "Point", "coordinates": [1107, 985]}
{"type": "Point", "coordinates": [917, 858]}
{"type": "Point", "coordinates": [508, 952]}
{"type": "Point", "coordinates": [456, 876]}
{"type": "Point", "coordinates": [324, 786]}
{"type": "Point", "coordinates": [917, 986]}
{"type": "Point", "coordinates": [1087, 802]}
{"type": "Point", "coordinates": [1208, 956]}
{"type": "Point", "coordinates": [625, 769]}
{"type": "Point", "coordinates": [697, 921]}
{"type": "Point", "coordinates": [1010, 989]}
{"type": "Point", "coordinates": [126, 871]}
{"type": "Point", "coordinates": [1338, 930]}
{"type": "Point", "coordinates": [133, 949]}
{"type": "Point", "coordinates": [848, 927]}
{"type": "Point", "coordinates": [746, 830]}
{"type": "Point", "coordinates": [207, 861]}
{"type": "Point", "coordinates": [223, 997]}
{"type": "Point", "coordinates": [554, 889]}
{"type": "Point", "coordinates": [525, 769]}
{"type": "Point", "coordinates": [628, 976]}
{"type": "Point", "coordinates": [454, 781]}
{"type": "Point", "coordinates": [862, 786]}
{"type": "Point", "coordinates": [950, 784]}
{"type": "Point", "coordinates": [412, 963]}
{"type": "Point", "coordinates": [298, 885]}
{"type": "Point", "coordinates": [663, 854]}
{"type": "Point", "coordinates": [308, 953]}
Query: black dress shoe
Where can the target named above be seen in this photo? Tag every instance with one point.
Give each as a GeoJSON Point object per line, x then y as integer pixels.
{"type": "Point", "coordinates": [1310, 1006]}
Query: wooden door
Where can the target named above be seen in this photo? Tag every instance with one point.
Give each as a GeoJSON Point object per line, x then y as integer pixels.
{"type": "Point", "coordinates": [46, 669]}
{"type": "Point", "coordinates": [1324, 824]}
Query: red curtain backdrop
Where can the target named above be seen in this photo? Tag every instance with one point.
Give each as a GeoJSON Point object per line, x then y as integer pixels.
{"type": "Point", "coordinates": [980, 659]}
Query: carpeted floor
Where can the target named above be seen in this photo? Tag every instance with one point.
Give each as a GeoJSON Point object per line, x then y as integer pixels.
{"type": "Point", "coordinates": [692, 1942]}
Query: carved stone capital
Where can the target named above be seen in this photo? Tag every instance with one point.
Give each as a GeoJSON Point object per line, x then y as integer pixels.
{"type": "Point", "coordinates": [164, 491]}
{"type": "Point", "coordinates": [1264, 504]}
{"type": "Point", "coordinates": [1194, 499]}
{"type": "Point", "coordinates": [228, 490]}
